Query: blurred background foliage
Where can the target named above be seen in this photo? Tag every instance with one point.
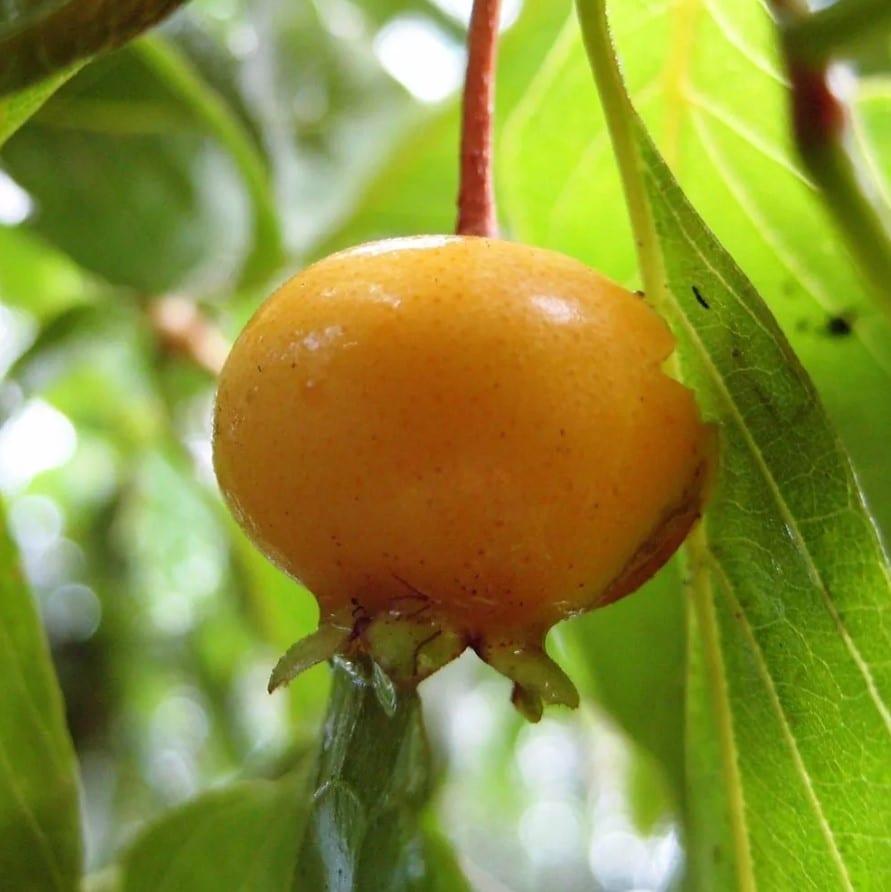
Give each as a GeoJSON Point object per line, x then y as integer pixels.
{"type": "Point", "coordinates": [199, 167]}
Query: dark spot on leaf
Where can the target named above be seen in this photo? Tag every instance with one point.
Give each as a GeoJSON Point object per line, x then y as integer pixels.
{"type": "Point", "coordinates": [838, 327]}
{"type": "Point", "coordinates": [700, 299]}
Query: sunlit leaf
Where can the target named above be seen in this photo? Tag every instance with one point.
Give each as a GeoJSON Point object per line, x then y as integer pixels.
{"type": "Point", "coordinates": [39, 279]}
{"type": "Point", "coordinates": [708, 82]}
{"type": "Point", "coordinates": [798, 586]}
{"type": "Point", "coordinates": [789, 680]}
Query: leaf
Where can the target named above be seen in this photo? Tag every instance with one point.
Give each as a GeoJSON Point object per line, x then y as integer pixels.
{"type": "Point", "coordinates": [40, 839]}
{"type": "Point", "coordinates": [242, 837]}
{"type": "Point", "coordinates": [119, 147]}
{"type": "Point", "coordinates": [796, 587]}
{"type": "Point", "coordinates": [183, 78]}
{"type": "Point", "coordinates": [641, 687]}
{"type": "Point", "coordinates": [789, 679]}
{"type": "Point", "coordinates": [561, 190]}
{"type": "Point", "coordinates": [16, 109]}
{"type": "Point", "coordinates": [49, 35]}
{"type": "Point", "coordinates": [365, 831]}
{"type": "Point", "coordinates": [66, 327]}
{"type": "Point", "coordinates": [36, 278]}
{"type": "Point", "coordinates": [708, 82]}
{"type": "Point", "coordinates": [443, 871]}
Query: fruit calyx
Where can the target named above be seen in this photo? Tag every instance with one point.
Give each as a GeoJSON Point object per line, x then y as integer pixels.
{"type": "Point", "coordinates": [407, 646]}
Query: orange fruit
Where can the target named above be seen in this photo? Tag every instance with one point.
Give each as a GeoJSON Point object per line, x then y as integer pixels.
{"type": "Point", "coordinates": [463, 433]}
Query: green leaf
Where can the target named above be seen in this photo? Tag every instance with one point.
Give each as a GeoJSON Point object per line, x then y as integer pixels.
{"type": "Point", "coordinates": [796, 586]}
{"type": "Point", "coordinates": [242, 837]}
{"type": "Point", "coordinates": [16, 109]}
{"type": "Point", "coordinates": [642, 687]}
{"type": "Point", "coordinates": [444, 874]}
{"type": "Point", "coordinates": [175, 70]}
{"type": "Point", "coordinates": [40, 38]}
{"type": "Point", "coordinates": [121, 147]}
{"type": "Point", "coordinates": [365, 830]}
{"type": "Point", "coordinates": [789, 679]}
{"type": "Point", "coordinates": [39, 279]}
{"type": "Point", "coordinates": [708, 81]}
{"type": "Point", "coordinates": [40, 840]}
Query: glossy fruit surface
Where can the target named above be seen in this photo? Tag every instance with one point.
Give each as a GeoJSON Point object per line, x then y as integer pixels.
{"type": "Point", "coordinates": [464, 429]}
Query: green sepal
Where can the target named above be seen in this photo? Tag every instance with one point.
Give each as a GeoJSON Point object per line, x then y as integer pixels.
{"type": "Point", "coordinates": [538, 680]}
{"type": "Point", "coordinates": [408, 650]}
{"type": "Point", "coordinates": [330, 638]}
{"type": "Point", "coordinates": [391, 651]}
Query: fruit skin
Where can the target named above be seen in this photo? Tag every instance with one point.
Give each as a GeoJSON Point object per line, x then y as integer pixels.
{"type": "Point", "coordinates": [470, 430]}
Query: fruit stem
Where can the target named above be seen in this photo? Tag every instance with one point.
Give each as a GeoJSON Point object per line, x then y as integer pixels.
{"type": "Point", "coordinates": [476, 195]}
{"type": "Point", "coordinates": [372, 782]}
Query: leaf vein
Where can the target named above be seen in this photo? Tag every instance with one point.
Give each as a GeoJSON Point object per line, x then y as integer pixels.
{"type": "Point", "coordinates": [788, 736]}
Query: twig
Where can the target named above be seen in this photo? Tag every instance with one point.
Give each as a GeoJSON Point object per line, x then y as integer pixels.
{"type": "Point", "coordinates": [182, 329]}
{"type": "Point", "coordinates": [836, 29]}
{"type": "Point", "coordinates": [476, 196]}
{"type": "Point", "coordinates": [823, 135]}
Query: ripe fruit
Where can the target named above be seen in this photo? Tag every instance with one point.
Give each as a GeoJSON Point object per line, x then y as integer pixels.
{"type": "Point", "coordinates": [458, 441]}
